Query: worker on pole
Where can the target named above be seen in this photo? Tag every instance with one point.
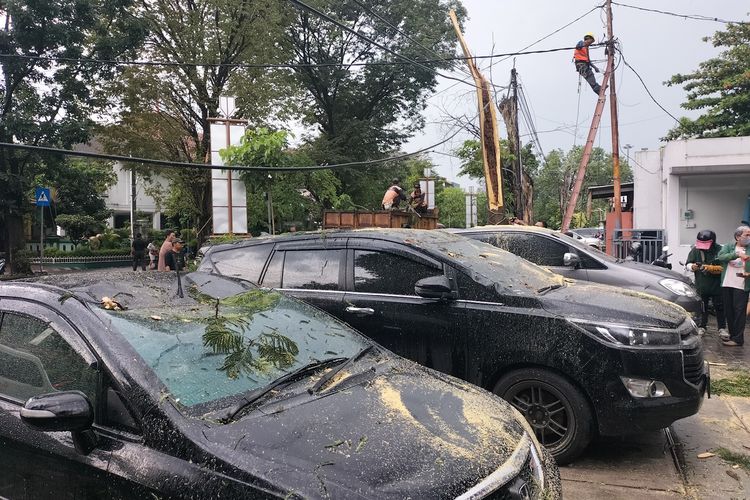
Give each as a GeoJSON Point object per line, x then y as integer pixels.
{"type": "Point", "coordinates": [583, 62]}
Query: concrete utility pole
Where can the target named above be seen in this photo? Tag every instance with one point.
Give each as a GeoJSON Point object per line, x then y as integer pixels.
{"type": "Point", "coordinates": [490, 139]}
{"type": "Point", "coordinates": [133, 193]}
{"type": "Point", "coordinates": [518, 165]}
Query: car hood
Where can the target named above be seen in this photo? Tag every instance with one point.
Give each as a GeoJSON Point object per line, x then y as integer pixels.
{"type": "Point", "coordinates": [661, 272]}
{"type": "Point", "coordinates": [594, 302]}
{"type": "Point", "coordinates": [403, 432]}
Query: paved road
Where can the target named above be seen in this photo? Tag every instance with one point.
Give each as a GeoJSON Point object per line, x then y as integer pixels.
{"type": "Point", "coordinates": [644, 467]}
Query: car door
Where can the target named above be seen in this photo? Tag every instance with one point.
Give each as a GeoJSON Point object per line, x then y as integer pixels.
{"type": "Point", "coordinates": [40, 353]}
{"type": "Point", "coordinates": [380, 279]}
{"type": "Point", "coordinates": [310, 270]}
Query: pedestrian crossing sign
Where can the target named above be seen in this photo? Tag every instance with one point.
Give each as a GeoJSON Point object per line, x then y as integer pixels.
{"type": "Point", "coordinates": [42, 197]}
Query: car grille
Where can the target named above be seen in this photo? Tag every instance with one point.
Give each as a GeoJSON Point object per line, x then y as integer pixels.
{"type": "Point", "coordinates": [692, 360]}
{"type": "Point", "coordinates": [522, 487]}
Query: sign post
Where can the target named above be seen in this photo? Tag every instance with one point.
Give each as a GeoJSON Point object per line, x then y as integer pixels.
{"type": "Point", "coordinates": [42, 197]}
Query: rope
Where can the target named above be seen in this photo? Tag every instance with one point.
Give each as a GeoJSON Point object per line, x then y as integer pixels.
{"type": "Point", "coordinates": [578, 111]}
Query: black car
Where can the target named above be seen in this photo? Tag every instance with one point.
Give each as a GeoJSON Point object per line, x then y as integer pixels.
{"type": "Point", "coordinates": [575, 259]}
{"type": "Point", "coordinates": [117, 387]}
{"type": "Point", "coordinates": [574, 358]}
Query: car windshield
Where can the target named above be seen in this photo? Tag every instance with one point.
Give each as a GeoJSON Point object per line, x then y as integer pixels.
{"type": "Point", "coordinates": [215, 349]}
{"type": "Point", "coordinates": [490, 265]}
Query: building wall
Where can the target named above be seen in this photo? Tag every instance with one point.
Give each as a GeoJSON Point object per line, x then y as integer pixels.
{"type": "Point", "coordinates": [118, 196]}
{"type": "Point", "coordinates": [711, 177]}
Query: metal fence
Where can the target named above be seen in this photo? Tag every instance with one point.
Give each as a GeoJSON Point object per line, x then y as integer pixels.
{"type": "Point", "coordinates": [651, 241]}
{"type": "Point", "coordinates": [83, 260]}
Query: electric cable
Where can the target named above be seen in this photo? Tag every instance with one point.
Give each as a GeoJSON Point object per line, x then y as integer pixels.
{"type": "Point", "coordinates": [405, 34]}
{"type": "Point", "coordinates": [167, 64]}
{"type": "Point", "coordinates": [695, 17]}
{"type": "Point", "coordinates": [208, 166]}
{"type": "Point", "coordinates": [647, 89]}
{"type": "Point", "coordinates": [323, 15]}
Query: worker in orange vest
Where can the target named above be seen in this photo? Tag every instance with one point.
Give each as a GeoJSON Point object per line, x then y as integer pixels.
{"type": "Point", "coordinates": [583, 62]}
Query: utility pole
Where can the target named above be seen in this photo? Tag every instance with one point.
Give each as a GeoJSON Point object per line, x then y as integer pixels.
{"type": "Point", "coordinates": [518, 165]}
{"type": "Point", "coordinates": [608, 75]}
{"type": "Point", "coordinates": [133, 192]}
{"type": "Point", "coordinates": [613, 116]}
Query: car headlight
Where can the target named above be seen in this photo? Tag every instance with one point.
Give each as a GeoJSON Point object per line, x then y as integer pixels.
{"type": "Point", "coordinates": [678, 287]}
{"type": "Point", "coordinates": [618, 334]}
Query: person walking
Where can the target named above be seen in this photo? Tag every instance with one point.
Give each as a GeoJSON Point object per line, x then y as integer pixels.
{"type": "Point", "coordinates": [702, 260]}
{"type": "Point", "coordinates": [735, 282]}
{"type": "Point", "coordinates": [583, 62]}
{"type": "Point", "coordinates": [138, 251]}
{"type": "Point", "coordinates": [166, 249]}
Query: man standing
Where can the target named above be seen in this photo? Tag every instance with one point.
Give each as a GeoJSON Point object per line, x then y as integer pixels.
{"type": "Point", "coordinates": [703, 261]}
{"type": "Point", "coordinates": [138, 251]}
{"type": "Point", "coordinates": [735, 282]}
{"type": "Point", "coordinates": [583, 62]}
{"type": "Point", "coordinates": [166, 249]}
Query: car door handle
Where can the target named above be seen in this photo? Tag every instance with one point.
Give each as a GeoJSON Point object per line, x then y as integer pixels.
{"type": "Point", "coordinates": [364, 311]}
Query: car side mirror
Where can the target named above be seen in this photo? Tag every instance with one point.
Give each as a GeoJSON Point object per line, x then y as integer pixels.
{"type": "Point", "coordinates": [435, 287]}
{"type": "Point", "coordinates": [62, 411]}
{"type": "Point", "coordinates": [571, 260]}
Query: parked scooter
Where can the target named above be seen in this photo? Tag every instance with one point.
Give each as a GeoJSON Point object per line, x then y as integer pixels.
{"type": "Point", "coordinates": [636, 251]}
{"type": "Point", "coordinates": [661, 260]}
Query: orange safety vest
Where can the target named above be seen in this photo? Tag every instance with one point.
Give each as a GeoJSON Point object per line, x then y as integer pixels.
{"type": "Point", "coordinates": [581, 55]}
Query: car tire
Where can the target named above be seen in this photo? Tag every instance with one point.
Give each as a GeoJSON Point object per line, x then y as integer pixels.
{"type": "Point", "coordinates": [556, 409]}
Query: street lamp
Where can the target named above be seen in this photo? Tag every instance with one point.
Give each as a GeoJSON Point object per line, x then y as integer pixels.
{"type": "Point", "coordinates": [627, 148]}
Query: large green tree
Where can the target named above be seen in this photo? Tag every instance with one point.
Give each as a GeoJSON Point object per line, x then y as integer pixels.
{"type": "Point", "coordinates": [167, 110]}
{"type": "Point", "coordinates": [47, 101]}
{"type": "Point", "coordinates": [719, 88]}
{"type": "Point", "coordinates": [368, 112]}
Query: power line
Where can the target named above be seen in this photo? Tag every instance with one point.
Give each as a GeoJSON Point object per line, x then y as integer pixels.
{"type": "Point", "coordinates": [207, 166]}
{"type": "Point", "coordinates": [369, 40]}
{"type": "Point", "coordinates": [695, 17]}
{"type": "Point", "coordinates": [403, 33]}
{"type": "Point", "coordinates": [622, 57]}
{"type": "Point", "coordinates": [112, 62]}
{"type": "Point", "coordinates": [523, 50]}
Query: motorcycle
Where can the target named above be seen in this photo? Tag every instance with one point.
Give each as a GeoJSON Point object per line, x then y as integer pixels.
{"type": "Point", "coordinates": [635, 253]}
{"type": "Point", "coordinates": [661, 260]}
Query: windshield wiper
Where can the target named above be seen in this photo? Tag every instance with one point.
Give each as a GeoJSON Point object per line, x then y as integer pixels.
{"type": "Point", "coordinates": [257, 394]}
{"type": "Point", "coordinates": [548, 288]}
{"type": "Point", "coordinates": [329, 376]}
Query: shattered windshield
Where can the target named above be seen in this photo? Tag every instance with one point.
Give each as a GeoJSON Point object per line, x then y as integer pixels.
{"type": "Point", "coordinates": [216, 348]}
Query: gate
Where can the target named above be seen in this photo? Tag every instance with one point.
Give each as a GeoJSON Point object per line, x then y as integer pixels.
{"type": "Point", "coordinates": [651, 241]}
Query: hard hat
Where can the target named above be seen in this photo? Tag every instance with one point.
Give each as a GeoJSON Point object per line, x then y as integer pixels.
{"type": "Point", "coordinates": [589, 35]}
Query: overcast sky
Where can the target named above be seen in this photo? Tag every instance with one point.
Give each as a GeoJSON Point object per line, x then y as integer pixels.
{"type": "Point", "coordinates": [656, 45]}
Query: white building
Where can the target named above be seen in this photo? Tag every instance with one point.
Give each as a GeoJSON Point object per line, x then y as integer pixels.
{"type": "Point", "coordinates": [690, 185]}
{"type": "Point", "coordinates": [118, 198]}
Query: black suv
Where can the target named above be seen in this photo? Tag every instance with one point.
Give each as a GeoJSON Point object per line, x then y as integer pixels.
{"type": "Point", "coordinates": [574, 358]}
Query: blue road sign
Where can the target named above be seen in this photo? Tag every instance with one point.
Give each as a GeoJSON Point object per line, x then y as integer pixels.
{"type": "Point", "coordinates": [42, 197]}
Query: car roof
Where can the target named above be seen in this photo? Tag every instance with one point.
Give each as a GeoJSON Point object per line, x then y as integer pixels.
{"type": "Point", "coordinates": [503, 227]}
{"type": "Point", "coordinates": [134, 290]}
{"type": "Point", "coordinates": [411, 236]}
